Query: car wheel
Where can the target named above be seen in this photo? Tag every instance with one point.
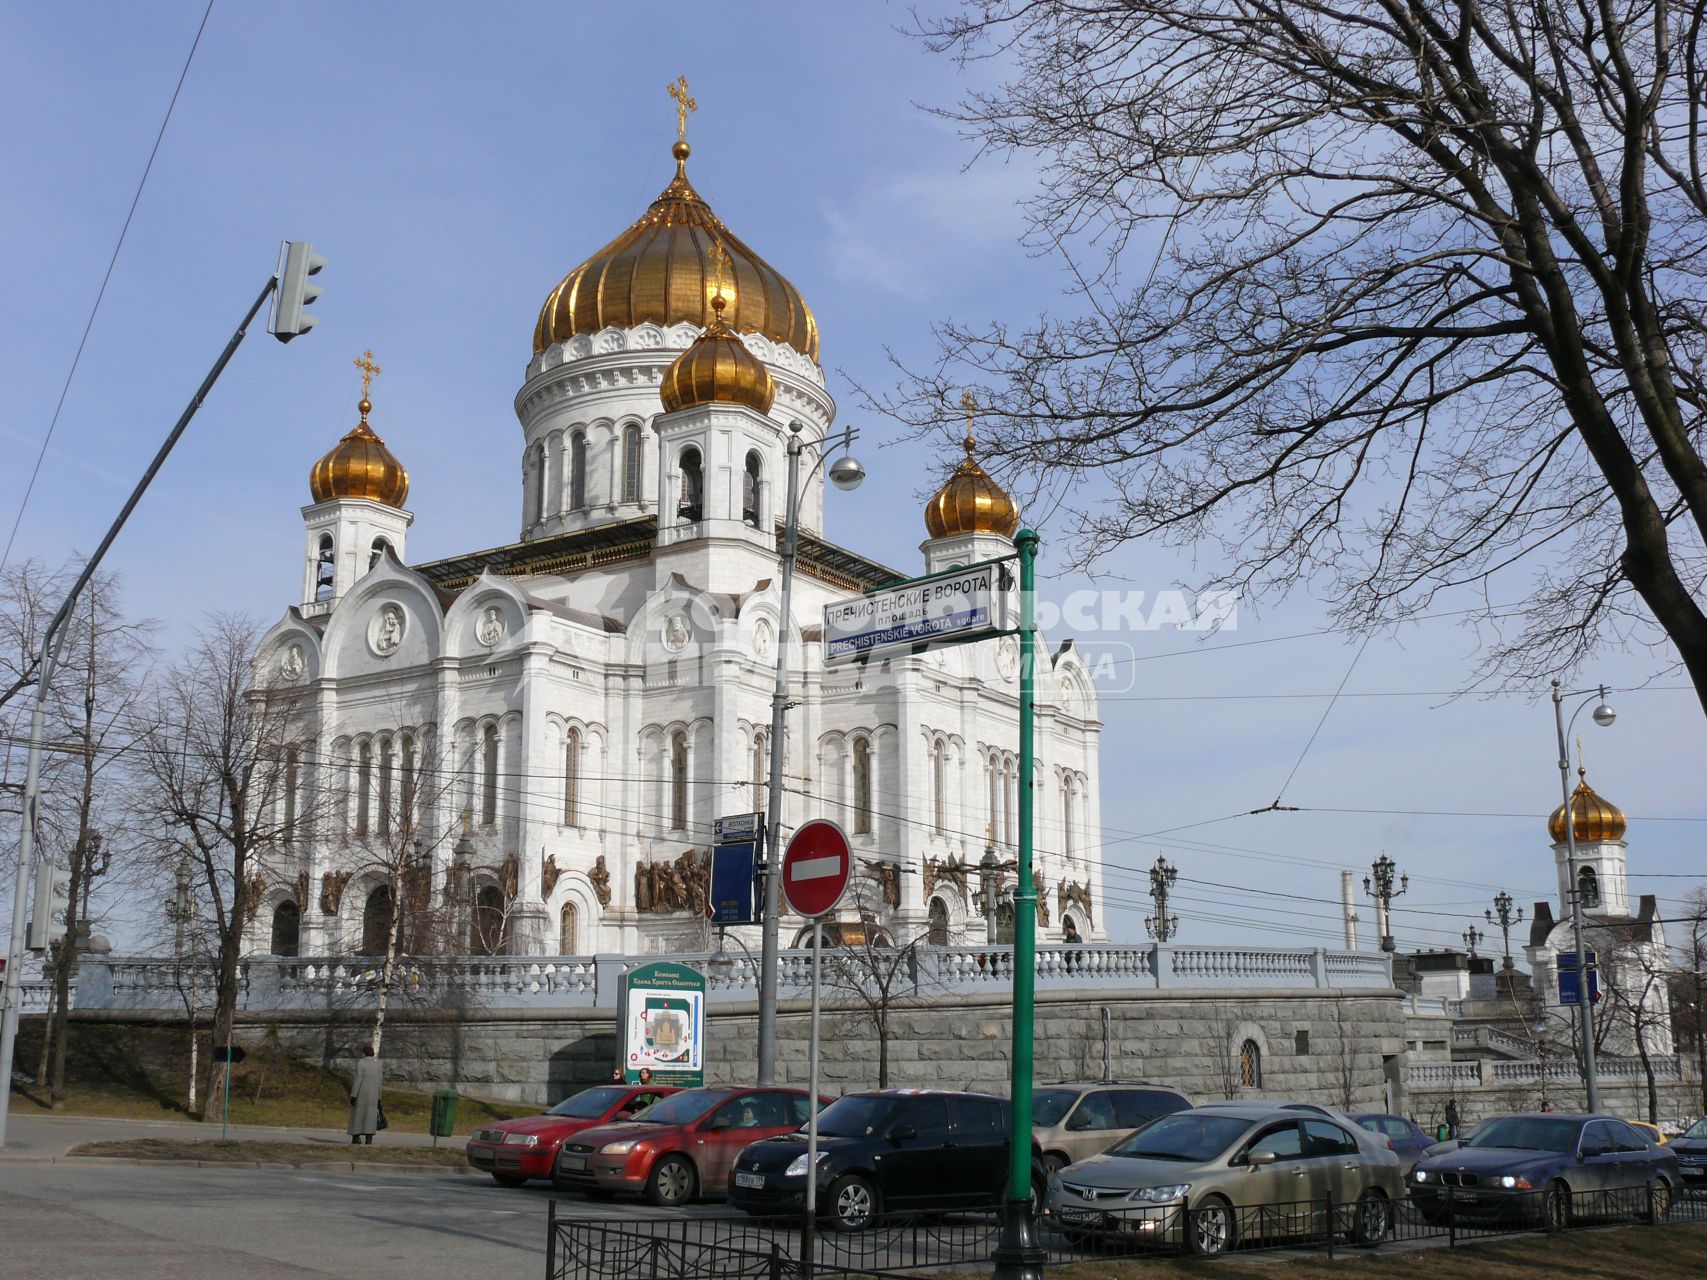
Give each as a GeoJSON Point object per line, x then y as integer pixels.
{"type": "Point", "coordinates": [672, 1182]}
{"type": "Point", "coordinates": [1053, 1163]}
{"type": "Point", "coordinates": [853, 1203]}
{"type": "Point", "coordinates": [1556, 1206]}
{"type": "Point", "coordinates": [1209, 1228]}
{"type": "Point", "coordinates": [508, 1179]}
{"type": "Point", "coordinates": [1660, 1200]}
{"type": "Point", "coordinates": [1372, 1219]}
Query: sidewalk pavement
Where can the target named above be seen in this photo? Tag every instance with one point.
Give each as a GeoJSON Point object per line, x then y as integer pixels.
{"type": "Point", "coordinates": [50, 1138]}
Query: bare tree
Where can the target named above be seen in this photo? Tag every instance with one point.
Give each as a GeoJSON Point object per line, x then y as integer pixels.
{"type": "Point", "coordinates": [1686, 989]}
{"type": "Point", "coordinates": [1344, 1066]}
{"type": "Point", "coordinates": [1226, 1057]}
{"type": "Point", "coordinates": [1424, 310]}
{"type": "Point", "coordinates": [872, 976]}
{"type": "Point", "coordinates": [1635, 978]}
{"type": "Point", "coordinates": [213, 766]}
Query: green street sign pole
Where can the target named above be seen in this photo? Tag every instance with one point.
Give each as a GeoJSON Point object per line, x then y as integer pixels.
{"type": "Point", "coordinates": [1017, 1256]}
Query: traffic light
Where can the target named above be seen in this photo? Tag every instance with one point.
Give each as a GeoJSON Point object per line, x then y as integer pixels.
{"type": "Point", "coordinates": [53, 896]}
{"type": "Point", "coordinates": [295, 290]}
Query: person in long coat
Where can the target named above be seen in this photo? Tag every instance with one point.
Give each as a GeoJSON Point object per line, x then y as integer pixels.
{"type": "Point", "coordinates": [364, 1098]}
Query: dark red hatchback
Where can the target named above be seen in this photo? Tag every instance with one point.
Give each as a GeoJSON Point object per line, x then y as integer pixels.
{"type": "Point", "coordinates": [516, 1150]}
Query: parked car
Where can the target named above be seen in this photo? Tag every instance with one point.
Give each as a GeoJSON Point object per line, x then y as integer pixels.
{"type": "Point", "coordinates": [1408, 1138]}
{"type": "Point", "coordinates": [1537, 1167]}
{"type": "Point", "coordinates": [681, 1148]}
{"type": "Point", "coordinates": [516, 1150]}
{"type": "Point", "coordinates": [1073, 1121]}
{"type": "Point", "coordinates": [1690, 1147]}
{"type": "Point", "coordinates": [1366, 1139]}
{"type": "Point", "coordinates": [891, 1151]}
{"type": "Point", "coordinates": [1199, 1177]}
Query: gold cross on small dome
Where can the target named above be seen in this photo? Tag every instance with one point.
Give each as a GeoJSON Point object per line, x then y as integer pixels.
{"type": "Point", "coordinates": [684, 104]}
{"type": "Point", "coordinates": [369, 369]}
{"type": "Point", "coordinates": [969, 402]}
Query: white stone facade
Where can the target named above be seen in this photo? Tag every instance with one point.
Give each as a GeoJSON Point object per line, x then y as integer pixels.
{"type": "Point", "coordinates": [594, 695]}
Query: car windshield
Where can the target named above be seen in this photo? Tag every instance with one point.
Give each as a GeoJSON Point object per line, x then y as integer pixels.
{"type": "Point", "coordinates": [589, 1104]}
{"type": "Point", "coordinates": [859, 1115]}
{"type": "Point", "coordinates": [1696, 1130]}
{"type": "Point", "coordinates": [1183, 1136]}
{"type": "Point", "coordinates": [1526, 1133]}
{"type": "Point", "coordinates": [681, 1108]}
{"type": "Point", "coordinates": [1049, 1106]}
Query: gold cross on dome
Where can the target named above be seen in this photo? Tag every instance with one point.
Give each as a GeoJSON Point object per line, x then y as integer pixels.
{"type": "Point", "coordinates": [969, 402]}
{"type": "Point", "coordinates": [684, 104]}
{"type": "Point", "coordinates": [369, 371]}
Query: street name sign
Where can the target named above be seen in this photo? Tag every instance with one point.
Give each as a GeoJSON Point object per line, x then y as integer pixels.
{"type": "Point", "coordinates": [1570, 981]}
{"type": "Point", "coordinates": [816, 868]}
{"type": "Point", "coordinates": [960, 605]}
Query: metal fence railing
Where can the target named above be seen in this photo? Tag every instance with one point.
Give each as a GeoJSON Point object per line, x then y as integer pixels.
{"type": "Point", "coordinates": [731, 1246]}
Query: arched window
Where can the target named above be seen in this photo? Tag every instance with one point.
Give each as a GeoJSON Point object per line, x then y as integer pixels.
{"type": "Point", "coordinates": [538, 477]}
{"type": "Point", "coordinates": [385, 765]}
{"type": "Point", "coordinates": [292, 779]}
{"type": "Point", "coordinates": [993, 832]}
{"type": "Point", "coordinates": [761, 768]}
{"type": "Point", "coordinates": [1250, 1065]}
{"type": "Point", "coordinates": [1588, 886]}
{"type": "Point", "coordinates": [1067, 817]}
{"type": "Point", "coordinates": [678, 781]}
{"type": "Point", "coordinates": [1008, 774]}
{"type": "Point", "coordinates": [572, 783]}
{"type": "Point", "coordinates": [287, 929]}
{"type": "Point", "coordinates": [692, 503]}
{"type": "Point", "coordinates": [406, 810]}
{"type": "Point", "coordinates": [487, 937]}
{"type": "Point", "coordinates": [325, 568]}
{"type": "Point", "coordinates": [939, 787]}
{"type": "Point", "coordinates": [631, 463]}
{"type": "Point", "coordinates": [566, 930]}
{"type": "Point", "coordinates": [936, 926]}
{"type": "Point", "coordinates": [578, 471]}
{"type": "Point", "coordinates": [861, 786]}
{"type": "Point", "coordinates": [489, 775]}
{"type": "Point", "coordinates": [364, 787]}
{"type": "Point", "coordinates": [750, 490]}
{"type": "Point", "coordinates": [376, 921]}
{"type": "Point", "coordinates": [377, 552]}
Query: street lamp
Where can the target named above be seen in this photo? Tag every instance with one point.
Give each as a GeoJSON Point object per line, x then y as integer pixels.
{"type": "Point", "coordinates": [1503, 916]}
{"type": "Point", "coordinates": [1603, 716]}
{"type": "Point", "coordinates": [1473, 939]}
{"type": "Point", "coordinates": [1382, 890]}
{"type": "Point", "coordinates": [846, 474]}
{"type": "Point", "coordinates": [1161, 925]}
{"type": "Point", "coordinates": [989, 892]}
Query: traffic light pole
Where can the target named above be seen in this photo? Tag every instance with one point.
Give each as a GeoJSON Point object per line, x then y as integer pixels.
{"type": "Point", "coordinates": [1017, 1255]}
{"type": "Point", "coordinates": [51, 640]}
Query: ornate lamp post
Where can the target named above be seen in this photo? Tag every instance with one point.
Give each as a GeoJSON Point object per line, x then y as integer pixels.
{"type": "Point", "coordinates": [1380, 887]}
{"type": "Point", "coordinates": [1161, 925]}
{"type": "Point", "coordinates": [1502, 915]}
{"type": "Point", "coordinates": [1473, 939]}
{"type": "Point", "coordinates": [990, 892]}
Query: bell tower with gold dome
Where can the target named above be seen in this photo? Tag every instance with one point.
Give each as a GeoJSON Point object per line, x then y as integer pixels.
{"type": "Point", "coordinates": [971, 518]}
{"type": "Point", "coordinates": [1602, 873]}
{"type": "Point", "coordinates": [607, 337]}
{"type": "Point", "coordinates": [358, 488]}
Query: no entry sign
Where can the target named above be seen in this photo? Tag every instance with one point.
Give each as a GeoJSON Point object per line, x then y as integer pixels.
{"type": "Point", "coordinates": [816, 868]}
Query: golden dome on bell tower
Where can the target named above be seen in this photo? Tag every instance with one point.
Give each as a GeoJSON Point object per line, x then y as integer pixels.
{"type": "Point", "coordinates": [970, 501]}
{"type": "Point", "coordinates": [660, 270]}
{"type": "Point", "coordinates": [1594, 819]}
{"type": "Point", "coordinates": [359, 465]}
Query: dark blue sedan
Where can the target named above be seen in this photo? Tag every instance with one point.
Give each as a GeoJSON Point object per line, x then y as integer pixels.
{"type": "Point", "coordinates": [1547, 1168]}
{"type": "Point", "coordinates": [1690, 1148]}
{"type": "Point", "coordinates": [1407, 1138]}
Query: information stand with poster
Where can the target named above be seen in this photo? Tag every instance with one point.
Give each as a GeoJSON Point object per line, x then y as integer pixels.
{"type": "Point", "coordinates": [661, 1013]}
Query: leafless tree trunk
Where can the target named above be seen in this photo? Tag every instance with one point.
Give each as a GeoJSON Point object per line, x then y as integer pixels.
{"type": "Point", "coordinates": [1424, 307]}
{"type": "Point", "coordinates": [872, 979]}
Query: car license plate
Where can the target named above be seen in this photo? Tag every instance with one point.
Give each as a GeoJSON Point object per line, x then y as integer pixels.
{"type": "Point", "coordinates": [754, 1180]}
{"type": "Point", "coordinates": [1081, 1215]}
{"type": "Point", "coordinates": [575, 1163]}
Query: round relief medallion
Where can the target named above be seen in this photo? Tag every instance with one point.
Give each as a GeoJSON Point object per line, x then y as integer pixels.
{"type": "Point", "coordinates": [676, 633]}
{"type": "Point", "coordinates": [1007, 657]}
{"type": "Point", "coordinates": [385, 632]}
{"type": "Point", "coordinates": [764, 639]}
{"type": "Point", "coordinates": [491, 627]}
{"type": "Point", "coordinates": [293, 663]}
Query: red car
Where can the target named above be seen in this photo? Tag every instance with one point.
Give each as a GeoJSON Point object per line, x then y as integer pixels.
{"type": "Point", "coordinates": [681, 1149]}
{"type": "Point", "coordinates": [516, 1150]}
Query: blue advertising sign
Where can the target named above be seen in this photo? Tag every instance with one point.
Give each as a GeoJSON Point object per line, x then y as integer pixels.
{"type": "Point", "coordinates": [732, 877]}
{"type": "Point", "coordinates": [1570, 989]}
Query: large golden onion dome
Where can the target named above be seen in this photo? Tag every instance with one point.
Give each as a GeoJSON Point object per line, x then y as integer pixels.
{"type": "Point", "coordinates": [660, 270]}
{"type": "Point", "coordinates": [717, 369]}
{"type": "Point", "coordinates": [970, 501]}
{"type": "Point", "coordinates": [1593, 817]}
{"type": "Point", "coordinates": [359, 465]}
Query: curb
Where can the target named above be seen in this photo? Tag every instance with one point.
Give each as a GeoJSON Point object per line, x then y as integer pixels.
{"type": "Point", "coordinates": [272, 1166]}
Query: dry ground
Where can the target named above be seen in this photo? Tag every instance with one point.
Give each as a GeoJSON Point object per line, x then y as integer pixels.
{"type": "Point", "coordinates": [291, 1153]}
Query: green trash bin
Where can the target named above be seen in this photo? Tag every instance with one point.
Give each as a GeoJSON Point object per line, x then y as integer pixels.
{"type": "Point", "coordinates": [443, 1122]}
{"type": "Point", "coordinates": [1442, 1133]}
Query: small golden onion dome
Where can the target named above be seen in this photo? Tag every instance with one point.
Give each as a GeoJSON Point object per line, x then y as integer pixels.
{"type": "Point", "coordinates": [717, 369]}
{"type": "Point", "coordinates": [360, 466]}
{"type": "Point", "coordinates": [971, 502]}
{"type": "Point", "coordinates": [660, 270]}
{"type": "Point", "coordinates": [1593, 817]}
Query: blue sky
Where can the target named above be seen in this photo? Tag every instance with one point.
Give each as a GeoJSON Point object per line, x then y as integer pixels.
{"type": "Point", "coordinates": [454, 161]}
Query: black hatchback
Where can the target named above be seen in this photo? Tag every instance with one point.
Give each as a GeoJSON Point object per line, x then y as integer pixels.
{"type": "Point", "coordinates": [893, 1151]}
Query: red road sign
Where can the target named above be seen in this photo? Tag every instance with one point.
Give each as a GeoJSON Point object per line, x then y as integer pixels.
{"type": "Point", "coordinates": [816, 868]}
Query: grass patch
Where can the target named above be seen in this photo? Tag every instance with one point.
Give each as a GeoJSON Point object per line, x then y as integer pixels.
{"type": "Point", "coordinates": [292, 1153]}
{"type": "Point", "coordinates": [128, 1078]}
